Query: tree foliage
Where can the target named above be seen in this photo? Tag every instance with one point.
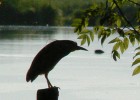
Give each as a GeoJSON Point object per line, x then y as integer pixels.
{"type": "Point", "coordinates": [109, 19]}
{"type": "Point", "coordinates": [40, 12]}
{"type": "Point", "coordinates": [30, 12]}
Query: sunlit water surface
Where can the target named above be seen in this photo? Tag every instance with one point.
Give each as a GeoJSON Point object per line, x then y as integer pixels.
{"type": "Point", "coordinates": [81, 75]}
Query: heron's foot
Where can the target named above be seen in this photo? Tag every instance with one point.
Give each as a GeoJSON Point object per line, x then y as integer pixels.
{"type": "Point", "coordinates": [56, 87]}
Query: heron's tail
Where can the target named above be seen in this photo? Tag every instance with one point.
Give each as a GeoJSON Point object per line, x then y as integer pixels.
{"type": "Point", "coordinates": [31, 76]}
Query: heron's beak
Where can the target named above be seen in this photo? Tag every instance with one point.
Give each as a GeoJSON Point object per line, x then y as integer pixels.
{"type": "Point", "coordinates": [81, 48]}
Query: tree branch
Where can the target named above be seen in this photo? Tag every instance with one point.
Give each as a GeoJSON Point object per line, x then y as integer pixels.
{"type": "Point", "coordinates": [124, 16]}
{"type": "Point", "coordinates": [134, 2]}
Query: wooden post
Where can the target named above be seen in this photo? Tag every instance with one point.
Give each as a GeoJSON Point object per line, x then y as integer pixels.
{"type": "Point", "coordinates": [48, 94]}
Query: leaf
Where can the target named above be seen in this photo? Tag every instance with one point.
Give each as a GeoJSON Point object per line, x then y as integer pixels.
{"type": "Point", "coordinates": [88, 40]}
{"type": "Point", "coordinates": [116, 46]}
{"type": "Point", "coordinates": [138, 48]}
{"type": "Point", "coordinates": [114, 40]}
{"type": "Point", "coordinates": [101, 27]}
{"type": "Point", "coordinates": [136, 61]}
{"type": "Point", "coordinates": [129, 32]}
{"type": "Point", "coordinates": [118, 22]}
{"type": "Point", "coordinates": [121, 32]}
{"type": "Point", "coordinates": [113, 31]}
{"type": "Point", "coordinates": [122, 49]}
{"type": "Point", "coordinates": [83, 41]}
{"type": "Point", "coordinates": [115, 55]}
{"type": "Point", "coordinates": [82, 36]}
{"type": "Point", "coordinates": [75, 30]}
{"type": "Point", "coordinates": [138, 53]}
{"type": "Point", "coordinates": [132, 39]}
{"type": "Point", "coordinates": [96, 29]}
{"type": "Point", "coordinates": [86, 22]}
{"type": "Point", "coordinates": [112, 3]}
{"type": "Point", "coordinates": [136, 70]}
{"type": "Point", "coordinates": [108, 31]}
{"type": "Point", "coordinates": [103, 39]}
{"type": "Point", "coordinates": [126, 43]}
{"type": "Point", "coordinates": [99, 34]}
{"type": "Point", "coordinates": [91, 36]}
{"type": "Point", "coordinates": [78, 29]}
{"type": "Point", "coordinates": [138, 38]}
{"type": "Point", "coordinates": [85, 31]}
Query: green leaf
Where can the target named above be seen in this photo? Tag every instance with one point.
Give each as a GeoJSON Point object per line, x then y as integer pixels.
{"type": "Point", "coordinates": [114, 40]}
{"type": "Point", "coordinates": [121, 32]}
{"type": "Point", "coordinates": [83, 41]}
{"type": "Point", "coordinates": [115, 55]}
{"type": "Point", "coordinates": [112, 3]}
{"type": "Point", "coordinates": [138, 48]}
{"type": "Point", "coordinates": [82, 36]}
{"type": "Point", "coordinates": [84, 31]}
{"type": "Point", "coordinates": [129, 32]}
{"type": "Point", "coordinates": [136, 61]}
{"type": "Point", "coordinates": [84, 21]}
{"type": "Point", "coordinates": [118, 22]}
{"type": "Point", "coordinates": [76, 29]}
{"type": "Point", "coordinates": [116, 46]}
{"type": "Point", "coordinates": [91, 36]}
{"type": "Point", "coordinates": [103, 39]}
{"type": "Point", "coordinates": [101, 27]}
{"type": "Point", "coordinates": [96, 29]}
{"type": "Point", "coordinates": [126, 43]}
{"type": "Point", "coordinates": [99, 34]}
{"type": "Point", "coordinates": [132, 39]}
{"type": "Point", "coordinates": [136, 70]}
{"type": "Point", "coordinates": [138, 53]}
{"type": "Point", "coordinates": [108, 31]}
{"type": "Point", "coordinates": [138, 38]}
{"type": "Point", "coordinates": [88, 40]}
{"type": "Point", "coordinates": [122, 49]}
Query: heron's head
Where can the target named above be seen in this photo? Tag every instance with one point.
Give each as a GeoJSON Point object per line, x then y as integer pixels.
{"type": "Point", "coordinates": [70, 46]}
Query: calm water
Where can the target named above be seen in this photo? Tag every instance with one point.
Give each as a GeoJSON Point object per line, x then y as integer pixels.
{"type": "Point", "coordinates": [81, 75]}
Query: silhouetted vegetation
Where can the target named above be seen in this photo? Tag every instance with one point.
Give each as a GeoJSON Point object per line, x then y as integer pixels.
{"type": "Point", "coordinates": [120, 17]}
{"type": "Point", "coordinates": [47, 12]}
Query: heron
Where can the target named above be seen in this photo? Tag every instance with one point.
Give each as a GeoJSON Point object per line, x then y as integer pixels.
{"type": "Point", "coordinates": [48, 57]}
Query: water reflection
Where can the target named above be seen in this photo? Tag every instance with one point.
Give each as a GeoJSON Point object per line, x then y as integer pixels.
{"type": "Point", "coordinates": [26, 41]}
{"type": "Point", "coordinates": [20, 32]}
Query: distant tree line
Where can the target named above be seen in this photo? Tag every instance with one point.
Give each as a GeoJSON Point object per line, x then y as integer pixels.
{"type": "Point", "coordinates": [9, 15]}
{"type": "Point", "coordinates": [47, 12]}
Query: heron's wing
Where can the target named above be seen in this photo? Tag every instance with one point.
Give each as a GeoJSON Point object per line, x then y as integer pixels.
{"type": "Point", "coordinates": [36, 67]}
{"type": "Point", "coordinates": [43, 62]}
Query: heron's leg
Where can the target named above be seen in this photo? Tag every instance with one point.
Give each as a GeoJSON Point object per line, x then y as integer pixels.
{"type": "Point", "coordinates": [48, 82]}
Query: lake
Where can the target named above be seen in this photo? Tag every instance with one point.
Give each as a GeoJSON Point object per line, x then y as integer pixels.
{"type": "Point", "coordinates": [82, 75]}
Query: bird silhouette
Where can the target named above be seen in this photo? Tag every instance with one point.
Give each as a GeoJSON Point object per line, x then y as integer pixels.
{"type": "Point", "coordinates": [48, 57]}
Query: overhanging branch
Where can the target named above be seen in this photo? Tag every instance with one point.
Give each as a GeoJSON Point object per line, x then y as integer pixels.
{"type": "Point", "coordinates": [128, 22]}
{"type": "Point", "coordinates": [134, 2]}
